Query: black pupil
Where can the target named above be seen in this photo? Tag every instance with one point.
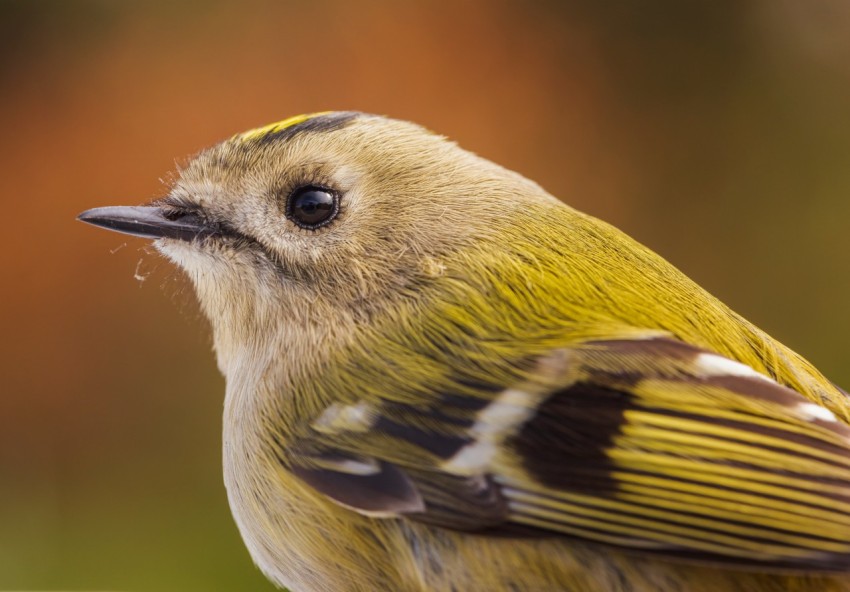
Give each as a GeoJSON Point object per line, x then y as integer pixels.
{"type": "Point", "coordinates": [312, 206]}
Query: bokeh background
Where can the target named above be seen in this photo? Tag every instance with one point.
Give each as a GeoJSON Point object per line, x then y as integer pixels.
{"type": "Point", "coordinates": [717, 132]}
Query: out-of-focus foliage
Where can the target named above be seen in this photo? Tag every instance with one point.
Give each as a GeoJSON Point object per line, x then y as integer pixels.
{"type": "Point", "coordinates": [714, 131]}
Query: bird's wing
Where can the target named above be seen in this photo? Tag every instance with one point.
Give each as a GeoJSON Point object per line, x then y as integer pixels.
{"type": "Point", "coordinates": [644, 444]}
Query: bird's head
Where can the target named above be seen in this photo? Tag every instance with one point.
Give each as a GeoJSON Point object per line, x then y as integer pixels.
{"type": "Point", "coordinates": [319, 222]}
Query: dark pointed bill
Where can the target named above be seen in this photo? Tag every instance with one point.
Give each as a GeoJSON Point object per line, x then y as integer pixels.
{"type": "Point", "coordinates": [148, 222]}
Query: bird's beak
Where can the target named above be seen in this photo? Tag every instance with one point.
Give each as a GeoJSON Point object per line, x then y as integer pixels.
{"type": "Point", "coordinates": [148, 222]}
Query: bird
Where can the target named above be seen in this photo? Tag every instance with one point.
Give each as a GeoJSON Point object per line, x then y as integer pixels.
{"type": "Point", "coordinates": [441, 377]}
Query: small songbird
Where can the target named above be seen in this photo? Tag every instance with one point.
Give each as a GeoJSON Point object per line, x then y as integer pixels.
{"type": "Point", "coordinates": [439, 377]}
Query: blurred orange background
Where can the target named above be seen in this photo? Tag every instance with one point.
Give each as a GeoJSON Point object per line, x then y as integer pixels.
{"type": "Point", "coordinates": [716, 132]}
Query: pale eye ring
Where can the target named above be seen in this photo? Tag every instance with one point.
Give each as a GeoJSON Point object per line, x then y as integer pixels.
{"type": "Point", "coordinates": [312, 206]}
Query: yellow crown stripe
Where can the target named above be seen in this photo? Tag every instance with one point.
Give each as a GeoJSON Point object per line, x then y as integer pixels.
{"type": "Point", "coordinates": [277, 126]}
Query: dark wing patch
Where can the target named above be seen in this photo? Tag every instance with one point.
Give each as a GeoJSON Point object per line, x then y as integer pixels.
{"type": "Point", "coordinates": [564, 445]}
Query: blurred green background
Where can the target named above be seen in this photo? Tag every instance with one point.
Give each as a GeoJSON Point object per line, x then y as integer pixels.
{"type": "Point", "coordinates": [717, 132]}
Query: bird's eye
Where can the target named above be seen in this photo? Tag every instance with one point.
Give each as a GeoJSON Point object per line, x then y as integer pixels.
{"type": "Point", "coordinates": [312, 207]}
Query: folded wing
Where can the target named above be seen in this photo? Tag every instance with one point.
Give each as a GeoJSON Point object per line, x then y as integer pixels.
{"type": "Point", "coordinates": [645, 444]}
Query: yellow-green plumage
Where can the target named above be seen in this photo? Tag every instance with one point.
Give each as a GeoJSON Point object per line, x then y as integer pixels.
{"type": "Point", "coordinates": [523, 295]}
{"type": "Point", "coordinates": [460, 383]}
